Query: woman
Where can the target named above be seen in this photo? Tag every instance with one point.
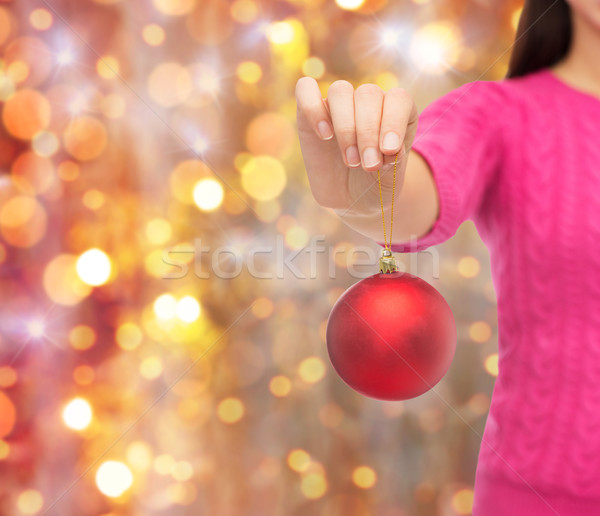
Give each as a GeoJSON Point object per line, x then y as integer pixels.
{"type": "Point", "coordinates": [521, 158]}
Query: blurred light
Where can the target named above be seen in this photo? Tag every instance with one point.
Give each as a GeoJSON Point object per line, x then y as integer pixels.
{"type": "Point", "coordinates": [230, 410]}
{"type": "Point", "coordinates": [93, 199]}
{"type": "Point", "coordinates": [26, 113]}
{"type": "Point", "coordinates": [4, 449]}
{"type": "Point", "coordinates": [174, 7]}
{"type": "Point", "coordinates": [83, 375]}
{"type": "Point", "coordinates": [313, 485]}
{"type": "Point", "coordinates": [153, 34]}
{"type": "Point", "coordinates": [280, 33]}
{"type": "Point", "coordinates": [68, 170]}
{"type": "Point", "coordinates": [77, 414]}
{"type": "Point", "coordinates": [280, 386]}
{"type": "Point", "coordinates": [331, 415]}
{"type": "Point", "coordinates": [249, 72]}
{"type": "Point", "coordinates": [312, 369]}
{"type": "Point", "coordinates": [30, 502]}
{"type": "Point", "coordinates": [298, 460]}
{"type": "Point", "coordinates": [349, 5]}
{"type": "Point", "coordinates": [165, 306]}
{"type": "Point", "coordinates": [480, 331]}
{"type": "Point", "coordinates": [468, 266]}
{"type": "Point", "coordinates": [164, 464]}
{"type": "Point", "coordinates": [262, 307]}
{"type": "Point", "coordinates": [182, 471]}
{"type": "Point", "coordinates": [82, 337]}
{"type": "Point", "coordinates": [244, 11]}
{"type": "Point", "coordinates": [188, 309]}
{"type": "Point", "coordinates": [129, 336]}
{"type": "Point", "coordinates": [514, 21]}
{"type": "Point", "coordinates": [113, 478]}
{"type": "Point", "coordinates": [314, 67]}
{"type": "Point", "coordinates": [158, 231]}
{"type": "Point", "coordinates": [491, 364]}
{"type": "Point", "coordinates": [108, 67]}
{"type": "Point", "coordinates": [94, 267]}
{"type": "Point", "coordinates": [65, 57]}
{"type": "Point", "coordinates": [390, 37]}
{"type": "Point", "coordinates": [139, 455]}
{"type": "Point", "coordinates": [8, 376]}
{"type": "Point", "coordinates": [45, 143]}
{"type": "Point", "coordinates": [263, 177]}
{"type": "Point", "coordinates": [200, 145]}
{"type": "Point", "coordinates": [434, 47]}
{"type": "Point", "coordinates": [364, 477]}
{"type": "Point", "coordinates": [40, 19]}
{"type": "Point", "coordinates": [36, 328]}
{"type": "Point", "coordinates": [462, 501]}
{"type": "Point", "coordinates": [151, 368]}
{"type": "Point", "coordinates": [208, 194]}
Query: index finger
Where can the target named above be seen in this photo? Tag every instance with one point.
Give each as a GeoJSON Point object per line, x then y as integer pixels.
{"type": "Point", "coordinates": [313, 107]}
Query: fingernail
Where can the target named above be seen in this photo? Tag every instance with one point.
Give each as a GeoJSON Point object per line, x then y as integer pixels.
{"type": "Point", "coordinates": [352, 156]}
{"type": "Point", "coordinates": [370, 157]}
{"type": "Point", "coordinates": [391, 141]}
{"type": "Point", "coordinates": [325, 130]}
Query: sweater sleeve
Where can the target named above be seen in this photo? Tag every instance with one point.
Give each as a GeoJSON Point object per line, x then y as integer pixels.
{"type": "Point", "coordinates": [458, 137]}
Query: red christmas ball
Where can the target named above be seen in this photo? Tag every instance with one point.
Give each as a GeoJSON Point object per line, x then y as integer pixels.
{"type": "Point", "coordinates": [391, 336]}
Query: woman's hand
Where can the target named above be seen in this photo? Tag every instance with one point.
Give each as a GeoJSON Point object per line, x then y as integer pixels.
{"type": "Point", "coordinates": [348, 136]}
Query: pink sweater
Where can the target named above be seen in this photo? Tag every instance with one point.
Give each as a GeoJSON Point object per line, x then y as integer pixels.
{"type": "Point", "coordinates": [521, 158]}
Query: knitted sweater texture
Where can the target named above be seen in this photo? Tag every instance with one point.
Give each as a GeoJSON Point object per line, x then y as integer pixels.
{"type": "Point", "coordinates": [521, 159]}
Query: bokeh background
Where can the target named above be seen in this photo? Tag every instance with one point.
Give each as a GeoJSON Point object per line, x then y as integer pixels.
{"type": "Point", "coordinates": [147, 365]}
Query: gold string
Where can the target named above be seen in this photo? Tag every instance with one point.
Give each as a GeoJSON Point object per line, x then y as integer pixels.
{"type": "Point", "coordinates": [386, 245]}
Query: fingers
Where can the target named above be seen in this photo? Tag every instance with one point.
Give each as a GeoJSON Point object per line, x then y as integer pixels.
{"type": "Point", "coordinates": [399, 110]}
{"type": "Point", "coordinates": [368, 106]}
{"type": "Point", "coordinates": [340, 99]}
{"type": "Point", "coordinates": [311, 105]}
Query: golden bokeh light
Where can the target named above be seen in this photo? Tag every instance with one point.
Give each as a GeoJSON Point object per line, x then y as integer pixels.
{"type": "Point", "coordinates": [94, 267]}
{"type": "Point", "coordinates": [263, 177]}
{"type": "Point", "coordinates": [298, 460]}
{"type": "Point", "coordinates": [184, 178]}
{"type": "Point", "coordinates": [165, 306]}
{"type": "Point", "coordinates": [249, 72]}
{"type": "Point", "coordinates": [364, 477]}
{"type": "Point", "coordinates": [41, 19]}
{"type": "Point", "coordinates": [491, 364]}
{"type": "Point", "coordinates": [468, 266]}
{"type": "Point", "coordinates": [8, 415]}
{"type": "Point", "coordinates": [435, 47]}
{"type": "Point", "coordinates": [312, 369]}
{"type": "Point", "coordinates": [480, 331]}
{"type": "Point", "coordinates": [208, 194]}
{"type": "Point", "coordinates": [280, 386]}
{"type": "Point", "coordinates": [158, 231]}
{"type": "Point", "coordinates": [62, 283]}
{"type": "Point", "coordinates": [262, 307]}
{"type": "Point", "coordinates": [244, 11]}
{"type": "Point", "coordinates": [153, 34]}
{"type": "Point", "coordinates": [82, 337]}
{"type": "Point", "coordinates": [169, 84]}
{"type": "Point", "coordinates": [129, 336]}
{"type": "Point", "coordinates": [188, 309]}
{"type": "Point", "coordinates": [77, 414]}
{"type": "Point", "coordinates": [85, 138]}
{"type": "Point", "coordinates": [174, 7]}
{"type": "Point", "coordinates": [108, 67]}
{"type": "Point", "coordinates": [230, 410]}
{"type": "Point", "coordinates": [462, 501]}
{"type": "Point", "coordinates": [113, 478]}
{"type": "Point", "coordinates": [313, 485]}
{"type": "Point", "coordinates": [26, 113]}
{"type": "Point", "coordinates": [271, 134]}
{"type": "Point", "coordinates": [30, 502]}
{"type": "Point", "coordinates": [151, 367]}
{"type": "Point", "coordinates": [4, 449]}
